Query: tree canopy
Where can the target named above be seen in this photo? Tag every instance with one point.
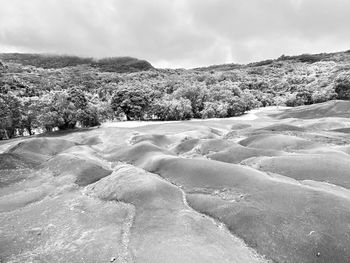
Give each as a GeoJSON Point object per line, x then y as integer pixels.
{"type": "Point", "coordinates": [48, 93]}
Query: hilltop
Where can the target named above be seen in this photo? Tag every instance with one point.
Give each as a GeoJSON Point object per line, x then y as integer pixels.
{"type": "Point", "coordinates": [304, 58]}
{"type": "Point", "coordinates": [46, 61]}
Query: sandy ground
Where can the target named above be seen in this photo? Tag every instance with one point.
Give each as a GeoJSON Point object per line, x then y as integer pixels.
{"type": "Point", "coordinates": [269, 186]}
{"type": "Point", "coordinates": [251, 115]}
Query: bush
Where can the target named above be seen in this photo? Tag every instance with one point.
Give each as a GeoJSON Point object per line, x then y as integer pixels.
{"type": "Point", "coordinates": [10, 116]}
{"type": "Point", "coordinates": [172, 109]}
{"type": "Point", "coordinates": [63, 110]}
{"type": "Point", "coordinates": [89, 117]}
{"type": "Point", "coordinates": [132, 101]}
{"type": "Point", "coordinates": [342, 87]}
{"type": "Point", "coordinates": [196, 94]}
{"type": "Point", "coordinates": [236, 106]}
{"type": "Point", "coordinates": [216, 109]}
{"type": "Point", "coordinates": [30, 109]}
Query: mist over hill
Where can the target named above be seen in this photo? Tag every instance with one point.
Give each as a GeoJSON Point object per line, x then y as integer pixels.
{"type": "Point", "coordinates": [46, 61]}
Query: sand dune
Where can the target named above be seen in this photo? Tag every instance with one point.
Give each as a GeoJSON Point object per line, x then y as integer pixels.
{"type": "Point", "coordinates": [282, 127]}
{"type": "Point", "coordinates": [278, 142]}
{"type": "Point", "coordinates": [331, 168]}
{"type": "Point", "coordinates": [238, 153]}
{"type": "Point", "coordinates": [161, 214]}
{"type": "Point", "coordinates": [15, 161]}
{"type": "Point", "coordinates": [336, 108]}
{"type": "Point", "coordinates": [343, 130]}
{"type": "Point", "coordinates": [271, 186]}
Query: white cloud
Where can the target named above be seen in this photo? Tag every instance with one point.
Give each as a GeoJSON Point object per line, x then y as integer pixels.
{"type": "Point", "coordinates": [176, 33]}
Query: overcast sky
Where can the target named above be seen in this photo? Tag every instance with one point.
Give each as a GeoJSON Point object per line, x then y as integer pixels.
{"type": "Point", "coordinates": [176, 33]}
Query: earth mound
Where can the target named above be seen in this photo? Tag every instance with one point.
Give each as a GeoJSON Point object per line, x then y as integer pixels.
{"type": "Point", "coordinates": [278, 142]}
{"type": "Point", "coordinates": [331, 168]}
{"type": "Point", "coordinates": [343, 130]}
{"type": "Point", "coordinates": [10, 161]}
{"type": "Point", "coordinates": [83, 171]}
{"type": "Point", "coordinates": [336, 108]}
{"type": "Point", "coordinates": [161, 213]}
{"type": "Point", "coordinates": [238, 153]}
{"type": "Point", "coordinates": [232, 190]}
{"type": "Point", "coordinates": [282, 127]}
{"type": "Point", "coordinates": [40, 149]}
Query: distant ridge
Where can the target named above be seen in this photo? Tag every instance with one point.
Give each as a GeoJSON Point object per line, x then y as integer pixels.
{"type": "Point", "coordinates": [47, 61]}
{"type": "Point", "coordinates": [304, 58]}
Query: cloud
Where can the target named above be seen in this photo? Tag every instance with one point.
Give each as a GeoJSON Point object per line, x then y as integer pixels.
{"type": "Point", "coordinates": [176, 33]}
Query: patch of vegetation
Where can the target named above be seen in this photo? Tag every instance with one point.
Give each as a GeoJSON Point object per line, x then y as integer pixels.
{"type": "Point", "coordinates": [342, 86]}
{"type": "Point", "coordinates": [39, 93]}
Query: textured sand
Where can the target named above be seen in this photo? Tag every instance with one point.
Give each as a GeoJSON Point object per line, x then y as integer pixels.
{"type": "Point", "coordinates": [272, 185]}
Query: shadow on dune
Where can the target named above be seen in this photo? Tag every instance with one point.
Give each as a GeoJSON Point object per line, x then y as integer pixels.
{"type": "Point", "coordinates": [288, 200]}
{"type": "Point", "coordinates": [336, 108]}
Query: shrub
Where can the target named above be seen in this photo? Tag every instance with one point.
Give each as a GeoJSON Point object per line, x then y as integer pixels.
{"type": "Point", "coordinates": [236, 106]}
{"type": "Point", "coordinates": [216, 109]}
{"type": "Point", "coordinates": [172, 109]}
{"type": "Point", "coordinates": [132, 101]}
{"type": "Point", "coordinates": [89, 117]}
{"type": "Point", "coordinates": [196, 94]}
{"type": "Point", "coordinates": [342, 87]}
{"type": "Point", "coordinates": [10, 115]}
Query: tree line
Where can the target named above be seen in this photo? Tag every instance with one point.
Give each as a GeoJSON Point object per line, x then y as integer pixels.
{"type": "Point", "coordinates": [39, 100]}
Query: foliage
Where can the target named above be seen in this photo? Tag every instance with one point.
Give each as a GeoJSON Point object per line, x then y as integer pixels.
{"type": "Point", "coordinates": [30, 110]}
{"type": "Point", "coordinates": [89, 117]}
{"type": "Point", "coordinates": [342, 87]}
{"type": "Point", "coordinates": [171, 109]}
{"type": "Point", "coordinates": [217, 109]}
{"type": "Point", "coordinates": [132, 101]}
{"type": "Point", "coordinates": [45, 93]}
{"type": "Point", "coordinates": [196, 94]}
{"type": "Point", "coordinates": [10, 116]}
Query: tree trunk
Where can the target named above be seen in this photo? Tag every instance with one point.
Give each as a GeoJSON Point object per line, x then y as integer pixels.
{"type": "Point", "coordinates": [29, 129]}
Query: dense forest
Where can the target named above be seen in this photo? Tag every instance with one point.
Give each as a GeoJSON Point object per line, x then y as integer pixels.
{"type": "Point", "coordinates": [46, 93]}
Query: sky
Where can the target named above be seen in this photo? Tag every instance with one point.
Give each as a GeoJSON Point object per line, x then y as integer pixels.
{"type": "Point", "coordinates": [176, 33]}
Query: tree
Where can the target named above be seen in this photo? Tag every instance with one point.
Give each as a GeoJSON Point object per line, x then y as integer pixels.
{"type": "Point", "coordinates": [30, 110]}
{"type": "Point", "coordinates": [77, 97]}
{"type": "Point", "coordinates": [2, 68]}
{"type": "Point", "coordinates": [196, 94]}
{"type": "Point", "coordinates": [132, 101]}
{"type": "Point", "coordinates": [217, 109]}
{"type": "Point", "coordinates": [249, 100]}
{"type": "Point", "coordinates": [10, 115]}
{"type": "Point", "coordinates": [236, 106]}
{"type": "Point", "coordinates": [172, 109]}
{"type": "Point", "coordinates": [89, 117]}
{"type": "Point", "coordinates": [342, 87]}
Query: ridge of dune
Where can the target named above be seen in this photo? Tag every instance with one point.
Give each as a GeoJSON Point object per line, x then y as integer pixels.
{"type": "Point", "coordinates": [257, 189]}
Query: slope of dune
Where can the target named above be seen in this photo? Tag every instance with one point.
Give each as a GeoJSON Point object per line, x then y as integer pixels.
{"type": "Point", "coordinates": [343, 130]}
{"type": "Point", "coordinates": [327, 167]}
{"type": "Point", "coordinates": [335, 108]}
{"type": "Point", "coordinates": [238, 153]}
{"type": "Point", "coordinates": [278, 142]}
{"type": "Point", "coordinates": [260, 189]}
{"type": "Point", "coordinates": [14, 161]}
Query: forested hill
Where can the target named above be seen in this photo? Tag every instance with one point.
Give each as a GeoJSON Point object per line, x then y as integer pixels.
{"type": "Point", "coordinates": [114, 64]}
{"type": "Point", "coordinates": [338, 57]}
{"type": "Point", "coordinates": [61, 92]}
